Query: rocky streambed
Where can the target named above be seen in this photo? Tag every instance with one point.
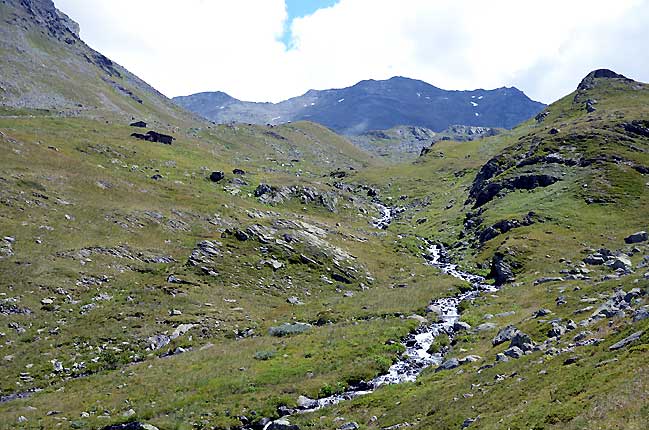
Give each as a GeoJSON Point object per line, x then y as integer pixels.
{"type": "Point", "coordinates": [418, 355]}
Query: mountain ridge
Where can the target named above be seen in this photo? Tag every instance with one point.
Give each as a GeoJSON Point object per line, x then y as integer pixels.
{"type": "Point", "coordinates": [375, 105]}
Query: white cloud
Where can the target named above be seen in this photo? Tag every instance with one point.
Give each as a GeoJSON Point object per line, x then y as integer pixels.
{"type": "Point", "coordinates": [233, 45]}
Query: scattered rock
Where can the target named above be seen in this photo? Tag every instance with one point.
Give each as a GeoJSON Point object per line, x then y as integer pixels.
{"type": "Point", "coordinates": [57, 366]}
{"type": "Point", "coordinates": [263, 189]}
{"type": "Point", "coordinates": [501, 270]}
{"type": "Point", "coordinates": [217, 176]}
{"type": "Point", "coordinates": [306, 403]}
{"type": "Point", "coordinates": [504, 335]}
{"type": "Point", "coordinates": [522, 341]}
{"type": "Point", "coordinates": [542, 313]}
{"type": "Point", "coordinates": [620, 262]}
{"type": "Point", "coordinates": [557, 330]}
{"type": "Point", "coordinates": [158, 341]}
{"type": "Point", "coordinates": [626, 341]}
{"type": "Point", "coordinates": [139, 124]}
{"type": "Point", "coordinates": [153, 136]}
{"type": "Point", "coordinates": [172, 279]}
{"type": "Point", "coordinates": [486, 327]}
{"type": "Point", "coordinates": [641, 236]}
{"type": "Point", "coordinates": [181, 330]}
{"type": "Point", "coordinates": [467, 422]}
{"type": "Point", "coordinates": [238, 172]}
{"type": "Point", "coordinates": [294, 301]}
{"type": "Point", "coordinates": [514, 352]}
{"type": "Point", "coordinates": [272, 263]}
{"type": "Point", "coordinates": [641, 314]}
{"type": "Point", "coordinates": [341, 278]}
{"type": "Point", "coordinates": [349, 426]}
{"type": "Point", "coordinates": [281, 424]}
{"type": "Point", "coordinates": [448, 365]}
{"type": "Point", "coordinates": [461, 326]}
{"type": "Point", "coordinates": [548, 280]}
{"type": "Point", "coordinates": [130, 426]}
{"type": "Point", "coordinates": [571, 360]}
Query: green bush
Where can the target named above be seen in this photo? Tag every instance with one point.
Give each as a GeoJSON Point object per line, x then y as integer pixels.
{"type": "Point", "coordinates": [442, 341]}
{"type": "Point", "coordinates": [264, 355]}
{"type": "Point", "coordinates": [289, 329]}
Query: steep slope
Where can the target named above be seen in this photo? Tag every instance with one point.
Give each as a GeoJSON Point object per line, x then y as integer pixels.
{"type": "Point", "coordinates": [376, 105]}
{"type": "Point", "coordinates": [562, 344]}
{"type": "Point", "coordinates": [45, 65]}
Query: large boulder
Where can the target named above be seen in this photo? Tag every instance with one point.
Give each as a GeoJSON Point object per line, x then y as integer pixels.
{"type": "Point", "coordinates": [627, 341]}
{"type": "Point", "coordinates": [505, 334]}
{"type": "Point", "coordinates": [638, 237]}
{"type": "Point", "coordinates": [501, 270]}
{"type": "Point", "coordinates": [217, 176]}
{"type": "Point", "coordinates": [522, 341]}
{"type": "Point", "coordinates": [621, 262]}
{"type": "Point", "coordinates": [263, 189]}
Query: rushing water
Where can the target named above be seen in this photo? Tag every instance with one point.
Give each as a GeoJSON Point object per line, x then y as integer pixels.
{"type": "Point", "coordinates": [416, 357]}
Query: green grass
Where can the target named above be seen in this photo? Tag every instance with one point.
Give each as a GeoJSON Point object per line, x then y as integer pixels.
{"type": "Point", "coordinates": [74, 184]}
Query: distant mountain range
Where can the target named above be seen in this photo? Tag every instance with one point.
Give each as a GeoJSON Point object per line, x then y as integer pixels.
{"type": "Point", "coordinates": [375, 105]}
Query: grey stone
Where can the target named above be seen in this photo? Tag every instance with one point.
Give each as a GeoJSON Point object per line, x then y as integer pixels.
{"type": "Point", "coordinates": [641, 314]}
{"type": "Point", "coordinates": [467, 422]}
{"type": "Point", "coordinates": [620, 262]}
{"type": "Point", "coordinates": [461, 326]}
{"type": "Point", "coordinates": [514, 352]}
{"type": "Point", "coordinates": [349, 426]}
{"type": "Point", "coordinates": [522, 341]}
{"type": "Point", "coordinates": [542, 313]}
{"type": "Point", "coordinates": [158, 341]}
{"type": "Point", "coordinates": [547, 280]}
{"type": "Point", "coordinates": [448, 365]}
{"type": "Point", "coordinates": [217, 176]}
{"type": "Point", "coordinates": [504, 335]}
{"type": "Point", "coordinates": [486, 327]}
{"type": "Point", "coordinates": [557, 330]}
{"type": "Point", "coordinates": [595, 260]}
{"type": "Point", "coordinates": [304, 402]}
{"type": "Point", "coordinates": [282, 424]}
{"type": "Point", "coordinates": [638, 237]}
{"type": "Point", "coordinates": [626, 341]}
{"type": "Point", "coordinates": [57, 366]}
{"type": "Point", "coordinates": [294, 301]}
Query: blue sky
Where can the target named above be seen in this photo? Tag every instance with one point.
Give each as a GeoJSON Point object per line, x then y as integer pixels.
{"type": "Point", "coordinates": [299, 9]}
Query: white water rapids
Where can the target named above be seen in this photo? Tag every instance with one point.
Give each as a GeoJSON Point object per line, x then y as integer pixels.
{"type": "Point", "coordinates": [417, 357]}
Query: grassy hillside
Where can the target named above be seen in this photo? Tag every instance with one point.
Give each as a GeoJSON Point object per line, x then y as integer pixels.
{"type": "Point", "coordinates": [212, 282]}
{"type": "Point", "coordinates": [573, 380]}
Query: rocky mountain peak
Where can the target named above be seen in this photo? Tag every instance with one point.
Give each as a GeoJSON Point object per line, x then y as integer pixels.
{"type": "Point", "coordinates": [45, 14]}
{"type": "Point", "coordinates": [589, 81]}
